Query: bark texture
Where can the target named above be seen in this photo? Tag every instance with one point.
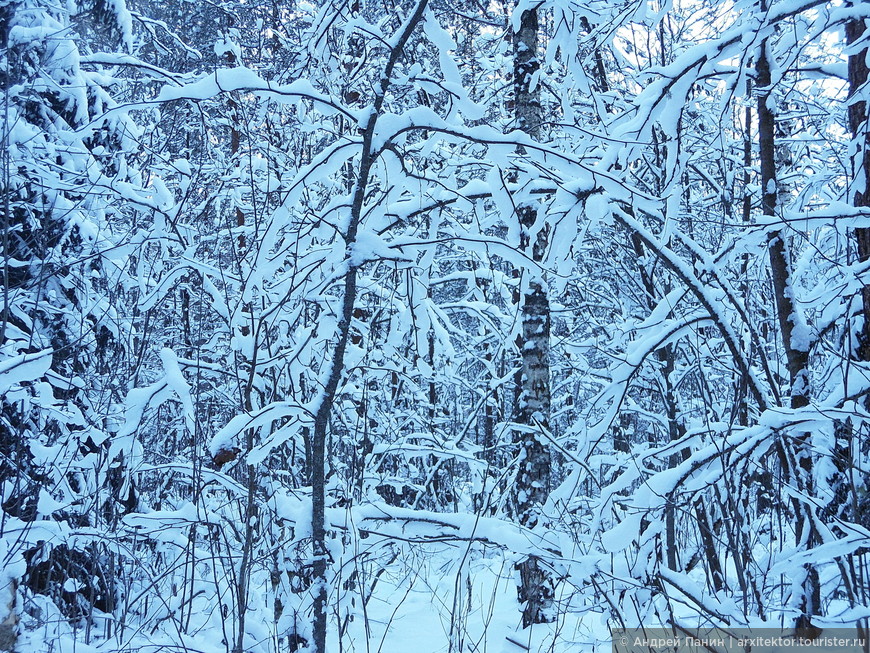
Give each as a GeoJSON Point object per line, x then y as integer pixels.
{"type": "Point", "coordinates": [536, 588]}
{"type": "Point", "coordinates": [848, 503]}
{"type": "Point", "coordinates": [336, 371]}
{"type": "Point", "coordinates": [796, 349]}
{"type": "Point", "coordinates": [860, 167]}
{"type": "Point", "coordinates": [9, 625]}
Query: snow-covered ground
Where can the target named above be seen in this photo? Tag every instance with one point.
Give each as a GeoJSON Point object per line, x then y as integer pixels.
{"type": "Point", "coordinates": [431, 599]}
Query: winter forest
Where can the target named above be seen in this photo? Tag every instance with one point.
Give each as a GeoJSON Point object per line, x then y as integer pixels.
{"type": "Point", "coordinates": [441, 326]}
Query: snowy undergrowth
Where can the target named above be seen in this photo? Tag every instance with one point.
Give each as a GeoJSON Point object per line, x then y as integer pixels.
{"type": "Point", "coordinates": [450, 598]}
{"type": "Point", "coordinates": [429, 599]}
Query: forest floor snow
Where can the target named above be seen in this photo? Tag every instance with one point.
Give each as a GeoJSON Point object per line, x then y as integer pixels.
{"type": "Point", "coordinates": [430, 599]}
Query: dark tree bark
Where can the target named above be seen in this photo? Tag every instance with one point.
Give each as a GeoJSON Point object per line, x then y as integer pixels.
{"type": "Point", "coordinates": [336, 371]}
{"type": "Point", "coordinates": [536, 588]}
{"type": "Point", "coordinates": [848, 487]}
{"type": "Point", "coordinates": [860, 167]}
{"type": "Point", "coordinates": [797, 355]}
{"type": "Point", "coordinates": [796, 350]}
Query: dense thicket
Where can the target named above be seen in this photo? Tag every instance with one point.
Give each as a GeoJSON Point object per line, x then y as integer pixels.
{"type": "Point", "coordinates": [311, 308]}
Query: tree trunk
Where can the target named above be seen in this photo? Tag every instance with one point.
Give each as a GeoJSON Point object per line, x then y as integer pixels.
{"type": "Point", "coordinates": [795, 345]}
{"type": "Point", "coordinates": [860, 187]}
{"type": "Point", "coordinates": [848, 486]}
{"type": "Point", "coordinates": [9, 624]}
{"type": "Point", "coordinates": [532, 485]}
{"type": "Point", "coordinates": [330, 388]}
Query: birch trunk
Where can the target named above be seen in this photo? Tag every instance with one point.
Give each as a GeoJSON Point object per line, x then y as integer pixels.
{"type": "Point", "coordinates": [536, 587]}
